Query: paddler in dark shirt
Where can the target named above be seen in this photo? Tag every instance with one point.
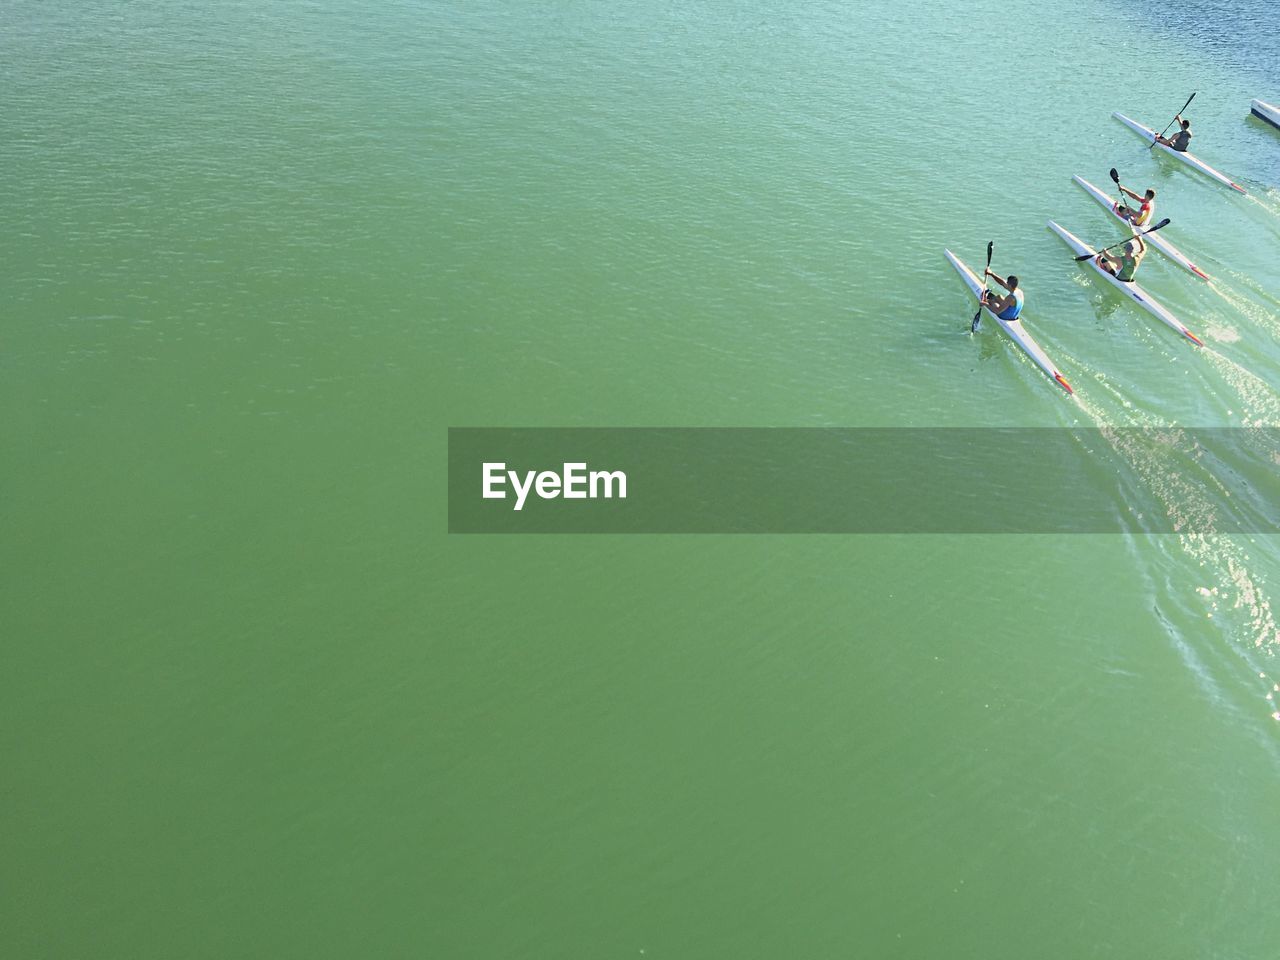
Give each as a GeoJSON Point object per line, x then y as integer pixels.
{"type": "Point", "coordinates": [1126, 265]}
{"type": "Point", "coordinates": [1181, 140]}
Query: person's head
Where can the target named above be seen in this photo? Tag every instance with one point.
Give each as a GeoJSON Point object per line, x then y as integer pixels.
{"type": "Point", "coordinates": [1186, 124]}
{"type": "Point", "coordinates": [1131, 247]}
{"type": "Point", "coordinates": [1151, 194]}
{"type": "Point", "coordinates": [1013, 282]}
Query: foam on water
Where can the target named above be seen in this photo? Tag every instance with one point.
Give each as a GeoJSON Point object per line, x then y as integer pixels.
{"type": "Point", "coordinates": [1258, 308]}
{"type": "Point", "coordinates": [1233, 585]}
{"type": "Point", "coordinates": [1260, 403]}
{"type": "Point", "coordinates": [1268, 198]}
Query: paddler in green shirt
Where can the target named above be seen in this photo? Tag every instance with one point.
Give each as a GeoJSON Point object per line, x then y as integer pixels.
{"type": "Point", "coordinates": [1124, 266]}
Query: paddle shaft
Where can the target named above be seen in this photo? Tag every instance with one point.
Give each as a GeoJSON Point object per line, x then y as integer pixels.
{"type": "Point", "coordinates": [1119, 186]}
{"type": "Point", "coordinates": [1115, 177]}
{"type": "Point", "coordinates": [1171, 122]}
{"type": "Point", "coordinates": [1090, 256]}
{"type": "Point", "coordinates": [977, 317]}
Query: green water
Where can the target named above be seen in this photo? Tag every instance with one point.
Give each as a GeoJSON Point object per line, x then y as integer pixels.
{"type": "Point", "coordinates": [256, 702]}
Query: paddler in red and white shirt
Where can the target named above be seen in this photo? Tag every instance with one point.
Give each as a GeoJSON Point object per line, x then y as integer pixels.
{"type": "Point", "coordinates": [1141, 215]}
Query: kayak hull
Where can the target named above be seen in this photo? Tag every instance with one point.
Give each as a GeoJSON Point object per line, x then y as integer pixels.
{"type": "Point", "coordinates": [1189, 159]}
{"type": "Point", "coordinates": [1155, 239]}
{"type": "Point", "coordinates": [1266, 111]}
{"type": "Point", "coordinates": [1130, 290]}
{"type": "Point", "coordinates": [1014, 328]}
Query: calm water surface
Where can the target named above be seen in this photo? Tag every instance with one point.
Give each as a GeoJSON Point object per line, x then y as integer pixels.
{"type": "Point", "coordinates": [257, 703]}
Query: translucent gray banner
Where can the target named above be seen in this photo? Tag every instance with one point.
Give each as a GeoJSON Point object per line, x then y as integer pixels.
{"type": "Point", "coordinates": [790, 480]}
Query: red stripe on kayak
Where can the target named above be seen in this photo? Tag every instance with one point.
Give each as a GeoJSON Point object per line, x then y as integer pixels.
{"type": "Point", "coordinates": [1236, 186]}
{"type": "Point", "coordinates": [1194, 339]}
{"type": "Point", "coordinates": [1063, 383]}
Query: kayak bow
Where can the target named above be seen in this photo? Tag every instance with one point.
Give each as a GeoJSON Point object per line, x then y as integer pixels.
{"type": "Point", "coordinates": [1014, 328]}
{"type": "Point", "coordinates": [1130, 290]}
{"type": "Point", "coordinates": [1187, 158]}
{"type": "Point", "coordinates": [1156, 240]}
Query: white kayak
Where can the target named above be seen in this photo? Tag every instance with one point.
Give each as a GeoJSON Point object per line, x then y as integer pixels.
{"type": "Point", "coordinates": [1268, 112]}
{"type": "Point", "coordinates": [1187, 158]}
{"type": "Point", "coordinates": [1130, 290]}
{"type": "Point", "coordinates": [1014, 328]}
{"type": "Point", "coordinates": [1155, 239]}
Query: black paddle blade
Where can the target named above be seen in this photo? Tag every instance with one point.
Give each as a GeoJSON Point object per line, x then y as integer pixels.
{"type": "Point", "coordinates": [1115, 176]}
{"type": "Point", "coordinates": [1087, 256]}
{"type": "Point", "coordinates": [991, 245]}
{"type": "Point", "coordinates": [977, 321]}
{"type": "Point", "coordinates": [1163, 223]}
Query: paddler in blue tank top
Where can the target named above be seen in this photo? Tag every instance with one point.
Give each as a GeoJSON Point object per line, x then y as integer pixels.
{"type": "Point", "coordinates": [1006, 308]}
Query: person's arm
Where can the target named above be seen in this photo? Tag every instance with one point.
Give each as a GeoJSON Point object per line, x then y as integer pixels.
{"type": "Point", "coordinates": [1129, 193]}
{"type": "Point", "coordinates": [999, 305]}
{"type": "Point", "coordinates": [998, 279]}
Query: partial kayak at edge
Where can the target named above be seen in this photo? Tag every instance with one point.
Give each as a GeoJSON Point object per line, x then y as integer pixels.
{"type": "Point", "coordinates": [1267, 112]}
